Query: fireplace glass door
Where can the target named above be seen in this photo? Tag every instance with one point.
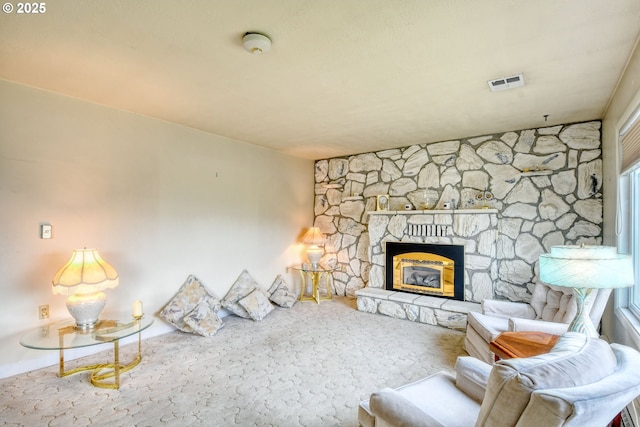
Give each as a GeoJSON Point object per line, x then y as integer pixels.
{"type": "Point", "coordinates": [424, 273]}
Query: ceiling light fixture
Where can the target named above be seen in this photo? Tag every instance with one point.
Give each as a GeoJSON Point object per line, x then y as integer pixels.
{"type": "Point", "coordinates": [256, 43]}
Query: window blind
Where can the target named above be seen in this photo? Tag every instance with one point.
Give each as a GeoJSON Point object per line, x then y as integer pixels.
{"type": "Point", "coordinates": [630, 139]}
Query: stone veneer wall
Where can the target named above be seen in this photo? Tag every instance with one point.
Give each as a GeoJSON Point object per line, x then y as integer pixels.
{"type": "Point", "coordinates": [546, 184]}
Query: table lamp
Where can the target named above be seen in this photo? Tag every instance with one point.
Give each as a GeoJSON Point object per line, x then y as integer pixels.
{"type": "Point", "coordinates": [314, 237]}
{"type": "Point", "coordinates": [83, 279]}
{"type": "Point", "coordinates": [584, 268]}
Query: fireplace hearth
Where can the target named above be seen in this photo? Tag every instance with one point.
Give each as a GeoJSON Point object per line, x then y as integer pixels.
{"type": "Point", "coordinates": [425, 269]}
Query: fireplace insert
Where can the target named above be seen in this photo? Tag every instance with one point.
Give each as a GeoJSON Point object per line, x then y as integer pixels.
{"type": "Point", "coordinates": [427, 269]}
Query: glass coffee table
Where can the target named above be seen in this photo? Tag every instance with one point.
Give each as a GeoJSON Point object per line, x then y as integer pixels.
{"type": "Point", "coordinates": [64, 335]}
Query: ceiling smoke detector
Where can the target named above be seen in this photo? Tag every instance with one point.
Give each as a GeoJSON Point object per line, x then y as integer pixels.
{"type": "Point", "coordinates": [504, 83]}
{"type": "Point", "coordinates": [256, 43]}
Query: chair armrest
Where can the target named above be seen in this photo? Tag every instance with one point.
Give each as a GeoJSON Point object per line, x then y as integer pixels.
{"type": "Point", "coordinates": [521, 325]}
{"type": "Point", "coordinates": [591, 404]}
{"type": "Point", "coordinates": [394, 409]}
{"type": "Point", "coordinates": [471, 376]}
{"type": "Point", "coordinates": [506, 309]}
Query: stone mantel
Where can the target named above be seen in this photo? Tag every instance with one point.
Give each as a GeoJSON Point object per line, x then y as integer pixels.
{"type": "Point", "coordinates": [436, 212]}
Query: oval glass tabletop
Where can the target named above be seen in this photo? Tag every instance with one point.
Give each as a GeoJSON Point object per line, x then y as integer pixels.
{"type": "Point", "coordinates": [64, 334]}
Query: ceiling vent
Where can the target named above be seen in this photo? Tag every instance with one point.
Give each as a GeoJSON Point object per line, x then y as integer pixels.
{"type": "Point", "coordinates": [504, 83]}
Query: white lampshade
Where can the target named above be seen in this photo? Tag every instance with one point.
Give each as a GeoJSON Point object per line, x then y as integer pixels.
{"type": "Point", "coordinates": [586, 267]}
{"type": "Point", "coordinates": [82, 279]}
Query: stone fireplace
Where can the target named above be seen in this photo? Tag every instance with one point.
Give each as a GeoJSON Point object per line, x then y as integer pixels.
{"type": "Point", "coordinates": [425, 269]}
{"type": "Point", "coordinates": [546, 187]}
{"type": "Point", "coordinates": [465, 237]}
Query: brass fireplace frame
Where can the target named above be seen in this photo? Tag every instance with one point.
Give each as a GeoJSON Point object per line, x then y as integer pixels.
{"type": "Point", "coordinates": [443, 265]}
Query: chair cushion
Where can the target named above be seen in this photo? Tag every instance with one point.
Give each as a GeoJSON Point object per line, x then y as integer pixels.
{"type": "Point", "coordinates": [575, 360]}
{"type": "Point", "coordinates": [488, 327]}
{"type": "Point", "coordinates": [431, 401]}
{"type": "Point", "coordinates": [557, 304]}
{"type": "Point", "coordinates": [396, 410]}
{"type": "Point", "coordinates": [472, 376]}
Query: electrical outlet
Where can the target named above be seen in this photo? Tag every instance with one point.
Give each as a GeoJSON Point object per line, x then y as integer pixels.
{"type": "Point", "coordinates": [43, 311]}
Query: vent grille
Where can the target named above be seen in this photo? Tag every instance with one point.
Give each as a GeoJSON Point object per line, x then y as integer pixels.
{"type": "Point", "coordinates": [504, 83]}
{"type": "Point", "coordinates": [629, 415]}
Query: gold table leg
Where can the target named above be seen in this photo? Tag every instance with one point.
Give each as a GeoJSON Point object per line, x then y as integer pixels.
{"type": "Point", "coordinates": [112, 370]}
{"type": "Point", "coordinates": [316, 277]}
{"type": "Point", "coordinates": [328, 285]}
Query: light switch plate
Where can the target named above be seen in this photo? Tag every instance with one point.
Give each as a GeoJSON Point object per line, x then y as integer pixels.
{"type": "Point", "coordinates": [45, 231]}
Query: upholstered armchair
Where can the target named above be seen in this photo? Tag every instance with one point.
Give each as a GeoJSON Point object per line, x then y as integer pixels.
{"type": "Point", "coordinates": [551, 310]}
{"type": "Point", "coordinates": [582, 382]}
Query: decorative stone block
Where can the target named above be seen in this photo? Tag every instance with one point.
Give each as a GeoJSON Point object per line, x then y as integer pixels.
{"type": "Point", "coordinates": [415, 162]}
{"type": "Point", "coordinates": [451, 320]}
{"type": "Point", "coordinates": [429, 177]}
{"type": "Point", "coordinates": [549, 144]}
{"type": "Point", "coordinates": [446, 147]}
{"type": "Point", "coordinates": [590, 209]}
{"type": "Point", "coordinates": [589, 179]}
{"type": "Point", "coordinates": [367, 304]}
{"type": "Point", "coordinates": [391, 309]}
{"type": "Point", "coordinates": [528, 248]}
{"type": "Point", "coordinates": [428, 316]}
{"type": "Point", "coordinates": [402, 186]}
{"type": "Point", "coordinates": [338, 168]}
{"type": "Point", "coordinates": [496, 152]}
{"type": "Point", "coordinates": [582, 135]}
{"type": "Point", "coordinates": [412, 312]}
{"type": "Point", "coordinates": [552, 206]}
{"type": "Point", "coordinates": [352, 209]}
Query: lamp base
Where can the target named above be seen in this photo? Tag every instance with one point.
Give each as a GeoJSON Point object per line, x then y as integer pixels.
{"type": "Point", "coordinates": [314, 253]}
{"type": "Point", "coordinates": [582, 323]}
{"type": "Point", "coordinates": [86, 308]}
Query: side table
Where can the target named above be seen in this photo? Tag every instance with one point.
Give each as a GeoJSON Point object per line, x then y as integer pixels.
{"type": "Point", "coordinates": [522, 344]}
{"type": "Point", "coordinates": [64, 335]}
{"type": "Point", "coordinates": [315, 274]}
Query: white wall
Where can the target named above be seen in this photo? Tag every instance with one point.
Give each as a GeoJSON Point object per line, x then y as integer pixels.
{"type": "Point", "coordinates": [625, 100]}
{"type": "Point", "coordinates": [159, 201]}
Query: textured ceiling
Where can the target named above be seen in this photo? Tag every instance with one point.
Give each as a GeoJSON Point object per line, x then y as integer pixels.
{"type": "Point", "coordinates": [342, 77]}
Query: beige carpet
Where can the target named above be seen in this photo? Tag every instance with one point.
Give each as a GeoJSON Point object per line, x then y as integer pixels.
{"type": "Point", "coordinates": [306, 366]}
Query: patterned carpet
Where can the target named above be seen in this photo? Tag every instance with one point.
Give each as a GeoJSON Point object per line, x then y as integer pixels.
{"type": "Point", "coordinates": [309, 365]}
